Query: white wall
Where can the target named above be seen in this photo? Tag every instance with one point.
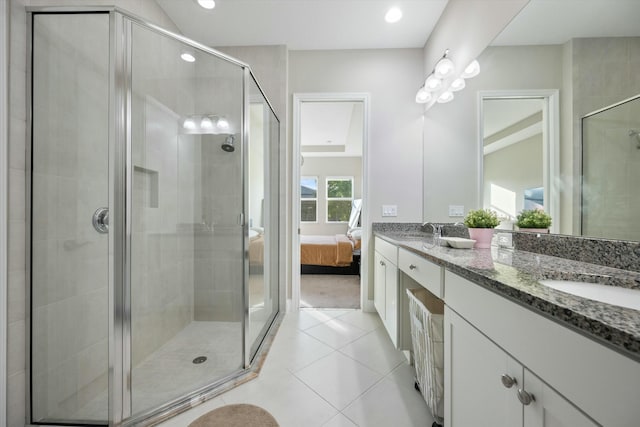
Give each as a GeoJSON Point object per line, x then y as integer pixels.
{"type": "Point", "coordinates": [515, 168]}
{"type": "Point", "coordinates": [451, 130]}
{"type": "Point", "coordinates": [324, 167]}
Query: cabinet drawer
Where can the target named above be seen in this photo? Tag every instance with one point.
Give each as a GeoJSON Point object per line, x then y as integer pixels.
{"type": "Point", "coordinates": [428, 274]}
{"type": "Point", "coordinates": [387, 250]}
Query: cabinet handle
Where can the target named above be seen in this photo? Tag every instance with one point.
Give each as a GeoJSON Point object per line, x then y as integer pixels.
{"type": "Point", "coordinates": [382, 263]}
{"type": "Point", "coordinates": [525, 397]}
{"type": "Point", "coordinates": [412, 267]}
{"type": "Point", "coordinates": [508, 381]}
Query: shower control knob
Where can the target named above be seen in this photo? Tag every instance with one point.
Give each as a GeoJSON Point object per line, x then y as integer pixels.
{"type": "Point", "coordinates": [100, 220]}
{"type": "Point", "coordinates": [382, 263]}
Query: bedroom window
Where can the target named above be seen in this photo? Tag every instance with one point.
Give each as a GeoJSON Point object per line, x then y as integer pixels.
{"type": "Point", "coordinates": [339, 197]}
{"type": "Point", "coordinates": [309, 199]}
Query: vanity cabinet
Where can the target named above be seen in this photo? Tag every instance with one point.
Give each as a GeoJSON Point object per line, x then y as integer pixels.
{"type": "Point", "coordinates": [497, 353]}
{"type": "Point", "coordinates": [385, 286]}
{"type": "Point", "coordinates": [486, 386]}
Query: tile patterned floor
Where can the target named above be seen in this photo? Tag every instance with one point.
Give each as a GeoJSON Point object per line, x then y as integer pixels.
{"type": "Point", "coordinates": [330, 368]}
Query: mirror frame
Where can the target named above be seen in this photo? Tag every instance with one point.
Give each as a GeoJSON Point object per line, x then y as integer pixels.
{"type": "Point", "coordinates": [550, 144]}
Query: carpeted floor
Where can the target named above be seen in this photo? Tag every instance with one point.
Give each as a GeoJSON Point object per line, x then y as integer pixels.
{"type": "Point", "coordinates": [329, 291]}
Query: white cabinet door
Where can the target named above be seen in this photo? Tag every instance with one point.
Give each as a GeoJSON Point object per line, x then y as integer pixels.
{"type": "Point", "coordinates": [550, 409]}
{"type": "Point", "coordinates": [379, 278]}
{"type": "Point", "coordinates": [474, 366]}
{"type": "Point", "coordinates": [391, 302]}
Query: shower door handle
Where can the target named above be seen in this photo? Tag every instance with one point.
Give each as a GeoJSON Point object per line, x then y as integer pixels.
{"type": "Point", "coordinates": [100, 220]}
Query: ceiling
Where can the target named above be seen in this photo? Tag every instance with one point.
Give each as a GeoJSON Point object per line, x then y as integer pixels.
{"type": "Point", "coordinates": [331, 129]}
{"type": "Point", "coordinates": [306, 24]}
{"type": "Point", "coordinates": [557, 21]}
{"type": "Point", "coordinates": [359, 24]}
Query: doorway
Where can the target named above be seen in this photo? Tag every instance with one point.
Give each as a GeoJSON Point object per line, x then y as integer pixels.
{"type": "Point", "coordinates": [329, 203]}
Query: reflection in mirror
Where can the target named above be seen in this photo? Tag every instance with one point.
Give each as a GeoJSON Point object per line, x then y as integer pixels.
{"type": "Point", "coordinates": [593, 67]}
{"type": "Point", "coordinates": [517, 149]}
{"type": "Point", "coordinates": [611, 148]}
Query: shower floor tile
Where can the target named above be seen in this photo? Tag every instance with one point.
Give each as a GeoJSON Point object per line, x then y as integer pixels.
{"type": "Point", "coordinates": [169, 372]}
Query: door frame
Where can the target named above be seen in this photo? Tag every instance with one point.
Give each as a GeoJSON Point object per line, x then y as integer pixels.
{"type": "Point", "coordinates": [298, 100]}
{"type": "Point", "coordinates": [551, 144]}
{"type": "Point", "coordinates": [4, 168]}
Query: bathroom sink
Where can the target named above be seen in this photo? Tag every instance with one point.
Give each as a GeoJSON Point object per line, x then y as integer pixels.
{"type": "Point", "coordinates": [614, 295]}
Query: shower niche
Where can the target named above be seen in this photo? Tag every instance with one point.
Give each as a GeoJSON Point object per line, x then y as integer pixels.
{"type": "Point", "coordinates": [184, 155]}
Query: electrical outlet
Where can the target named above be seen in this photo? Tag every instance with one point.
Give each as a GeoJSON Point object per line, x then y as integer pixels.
{"type": "Point", "coordinates": [389, 210]}
{"type": "Point", "coordinates": [456, 211]}
{"type": "Point", "coordinates": [505, 240]}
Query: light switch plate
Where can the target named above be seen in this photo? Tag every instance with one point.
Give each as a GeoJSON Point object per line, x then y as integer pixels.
{"type": "Point", "coordinates": [456, 211]}
{"type": "Point", "coordinates": [389, 210]}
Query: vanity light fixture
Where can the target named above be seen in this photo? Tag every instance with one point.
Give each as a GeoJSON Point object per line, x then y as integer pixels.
{"type": "Point", "coordinates": [442, 81]}
{"type": "Point", "coordinates": [423, 96]}
{"type": "Point", "coordinates": [471, 70]}
{"type": "Point", "coordinates": [222, 123]}
{"type": "Point", "coordinates": [205, 124]}
{"type": "Point", "coordinates": [207, 4]}
{"type": "Point", "coordinates": [446, 96]}
{"type": "Point", "coordinates": [187, 57]}
{"type": "Point", "coordinates": [457, 84]}
{"type": "Point", "coordinates": [393, 15]}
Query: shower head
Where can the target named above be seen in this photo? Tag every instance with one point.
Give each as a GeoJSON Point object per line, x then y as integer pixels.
{"type": "Point", "coordinates": [227, 145]}
{"type": "Point", "coordinates": [634, 134]}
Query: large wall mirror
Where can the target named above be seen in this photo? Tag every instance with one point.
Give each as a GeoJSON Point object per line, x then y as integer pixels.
{"type": "Point", "coordinates": [590, 52]}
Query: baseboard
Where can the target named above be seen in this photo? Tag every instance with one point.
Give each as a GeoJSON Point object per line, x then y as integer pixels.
{"type": "Point", "coordinates": [368, 306]}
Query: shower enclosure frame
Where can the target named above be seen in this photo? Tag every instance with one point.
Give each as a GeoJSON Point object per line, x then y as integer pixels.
{"type": "Point", "coordinates": [120, 174]}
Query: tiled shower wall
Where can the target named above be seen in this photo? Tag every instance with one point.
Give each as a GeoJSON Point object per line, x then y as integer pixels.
{"type": "Point", "coordinates": [16, 363]}
{"type": "Point", "coordinates": [604, 72]}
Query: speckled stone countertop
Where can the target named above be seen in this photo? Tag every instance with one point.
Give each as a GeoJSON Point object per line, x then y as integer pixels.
{"type": "Point", "coordinates": [515, 274]}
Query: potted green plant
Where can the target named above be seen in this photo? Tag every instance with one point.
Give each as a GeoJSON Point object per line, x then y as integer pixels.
{"type": "Point", "coordinates": [533, 220]}
{"type": "Point", "coordinates": [481, 223]}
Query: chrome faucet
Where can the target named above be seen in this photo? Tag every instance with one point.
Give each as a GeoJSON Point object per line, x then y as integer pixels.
{"type": "Point", "coordinates": [437, 231]}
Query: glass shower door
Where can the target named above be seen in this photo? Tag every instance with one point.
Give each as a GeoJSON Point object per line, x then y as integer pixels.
{"type": "Point", "coordinates": [186, 296]}
{"type": "Point", "coordinates": [69, 199]}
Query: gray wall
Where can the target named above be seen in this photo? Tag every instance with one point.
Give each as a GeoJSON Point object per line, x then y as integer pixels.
{"type": "Point", "coordinates": [513, 168]}
{"type": "Point", "coordinates": [323, 167]}
{"type": "Point", "coordinates": [395, 124]}
{"type": "Point", "coordinates": [451, 130]}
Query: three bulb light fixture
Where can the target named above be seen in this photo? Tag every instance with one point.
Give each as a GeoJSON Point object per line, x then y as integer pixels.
{"type": "Point", "coordinates": [205, 124]}
{"type": "Point", "coordinates": [440, 85]}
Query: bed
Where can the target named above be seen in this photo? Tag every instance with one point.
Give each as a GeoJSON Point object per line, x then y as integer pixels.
{"type": "Point", "coordinates": [335, 254]}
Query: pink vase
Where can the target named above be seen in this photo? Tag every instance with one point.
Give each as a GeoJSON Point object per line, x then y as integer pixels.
{"type": "Point", "coordinates": [482, 236]}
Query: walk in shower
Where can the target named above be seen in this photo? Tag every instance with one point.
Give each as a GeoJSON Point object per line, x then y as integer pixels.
{"type": "Point", "coordinates": [611, 171]}
{"type": "Point", "coordinates": [153, 204]}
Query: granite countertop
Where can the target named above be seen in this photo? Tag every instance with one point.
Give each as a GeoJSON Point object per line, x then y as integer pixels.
{"type": "Point", "coordinates": [515, 274]}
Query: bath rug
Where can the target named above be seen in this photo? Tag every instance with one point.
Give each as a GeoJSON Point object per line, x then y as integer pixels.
{"type": "Point", "coordinates": [238, 415]}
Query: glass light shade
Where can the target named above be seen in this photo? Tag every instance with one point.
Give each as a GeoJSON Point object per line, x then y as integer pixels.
{"type": "Point", "coordinates": [393, 15]}
{"type": "Point", "coordinates": [186, 56]}
{"type": "Point", "coordinates": [223, 123]}
{"type": "Point", "coordinates": [457, 84]}
{"type": "Point", "coordinates": [189, 124]}
{"type": "Point", "coordinates": [207, 4]}
{"type": "Point", "coordinates": [472, 70]}
{"type": "Point", "coordinates": [423, 96]}
{"type": "Point", "coordinates": [206, 123]}
{"type": "Point", "coordinates": [445, 97]}
{"type": "Point", "coordinates": [432, 82]}
{"type": "Point", "coordinates": [444, 68]}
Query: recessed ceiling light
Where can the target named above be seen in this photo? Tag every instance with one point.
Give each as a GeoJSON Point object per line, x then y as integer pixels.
{"type": "Point", "coordinates": [207, 4]}
{"type": "Point", "coordinates": [186, 56]}
{"type": "Point", "coordinates": [393, 15]}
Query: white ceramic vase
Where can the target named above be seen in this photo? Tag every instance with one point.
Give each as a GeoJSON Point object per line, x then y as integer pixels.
{"type": "Point", "coordinates": [482, 236]}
